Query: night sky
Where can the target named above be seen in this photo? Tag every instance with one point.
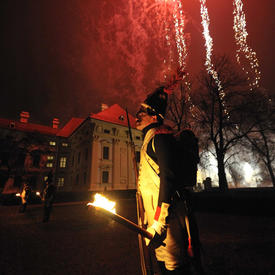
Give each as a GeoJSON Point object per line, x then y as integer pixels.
{"type": "Point", "coordinates": [63, 58]}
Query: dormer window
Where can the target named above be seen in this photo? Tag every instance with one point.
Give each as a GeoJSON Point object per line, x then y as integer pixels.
{"type": "Point", "coordinates": [12, 124]}
{"type": "Point", "coordinates": [121, 117]}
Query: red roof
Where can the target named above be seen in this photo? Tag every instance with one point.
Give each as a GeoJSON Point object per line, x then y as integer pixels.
{"type": "Point", "coordinates": [115, 114]}
{"type": "Point", "coordinates": [70, 127]}
{"type": "Point", "coordinates": [27, 127]}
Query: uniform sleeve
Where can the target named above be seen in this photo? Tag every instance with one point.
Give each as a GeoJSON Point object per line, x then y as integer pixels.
{"type": "Point", "coordinates": [165, 154]}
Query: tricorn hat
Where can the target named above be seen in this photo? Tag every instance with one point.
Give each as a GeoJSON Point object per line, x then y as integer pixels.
{"type": "Point", "coordinates": [156, 102]}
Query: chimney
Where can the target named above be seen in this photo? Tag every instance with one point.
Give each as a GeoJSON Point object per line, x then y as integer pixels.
{"type": "Point", "coordinates": [104, 106]}
{"type": "Point", "coordinates": [24, 117]}
{"type": "Point", "coordinates": [55, 123]}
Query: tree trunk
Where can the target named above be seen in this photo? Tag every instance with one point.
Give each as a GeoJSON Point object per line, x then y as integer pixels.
{"type": "Point", "coordinates": [270, 170]}
{"type": "Point", "coordinates": [221, 173]}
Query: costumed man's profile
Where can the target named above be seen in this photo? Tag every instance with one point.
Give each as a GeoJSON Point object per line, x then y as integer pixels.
{"type": "Point", "coordinates": [166, 210]}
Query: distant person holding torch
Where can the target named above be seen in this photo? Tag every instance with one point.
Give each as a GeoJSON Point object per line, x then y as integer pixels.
{"type": "Point", "coordinates": [165, 209]}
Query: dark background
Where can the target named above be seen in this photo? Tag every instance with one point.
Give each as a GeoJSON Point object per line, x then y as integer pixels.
{"type": "Point", "coordinates": [64, 58]}
{"type": "Point", "coordinates": [237, 232]}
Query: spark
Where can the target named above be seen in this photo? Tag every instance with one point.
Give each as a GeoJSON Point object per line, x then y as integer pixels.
{"type": "Point", "coordinates": [209, 48]}
{"type": "Point", "coordinates": [241, 42]}
{"type": "Point", "coordinates": [179, 33]}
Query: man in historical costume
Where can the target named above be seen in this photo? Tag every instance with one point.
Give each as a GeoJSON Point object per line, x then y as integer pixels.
{"type": "Point", "coordinates": [165, 212]}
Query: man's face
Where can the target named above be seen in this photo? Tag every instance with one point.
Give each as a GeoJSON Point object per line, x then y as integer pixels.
{"type": "Point", "coordinates": [143, 119]}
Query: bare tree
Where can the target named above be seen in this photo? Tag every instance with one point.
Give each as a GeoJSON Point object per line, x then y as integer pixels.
{"type": "Point", "coordinates": [23, 154]}
{"type": "Point", "coordinates": [259, 111]}
{"type": "Point", "coordinates": [218, 112]}
{"type": "Point", "coordinates": [178, 107]}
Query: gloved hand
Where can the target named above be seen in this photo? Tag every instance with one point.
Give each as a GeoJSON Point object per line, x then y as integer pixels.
{"type": "Point", "coordinates": [159, 227]}
{"type": "Point", "coordinates": [158, 230]}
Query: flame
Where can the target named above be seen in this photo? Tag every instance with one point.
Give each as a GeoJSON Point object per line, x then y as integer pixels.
{"type": "Point", "coordinates": [101, 201]}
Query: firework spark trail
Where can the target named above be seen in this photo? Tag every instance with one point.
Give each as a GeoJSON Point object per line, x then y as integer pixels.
{"type": "Point", "coordinates": [209, 48]}
{"type": "Point", "coordinates": [240, 38]}
{"type": "Point", "coordinates": [179, 32]}
{"type": "Point", "coordinates": [178, 23]}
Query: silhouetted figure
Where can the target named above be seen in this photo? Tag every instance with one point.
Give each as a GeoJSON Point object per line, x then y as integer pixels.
{"type": "Point", "coordinates": [48, 197]}
{"type": "Point", "coordinates": [207, 183]}
{"type": "Point", "coordinates": [25, 196]}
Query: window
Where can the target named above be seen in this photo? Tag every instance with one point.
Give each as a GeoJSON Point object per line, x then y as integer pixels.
{"type": "Point", "coordinates": [63, 161]}
{"type": "Point", "coordinates": [49, 164]}
{"type": "Point", "coordinates": [79, 157]}
{"type": "Point", "coordinates": [106, 131]}
{"type": "Point", "coordinates": [84, 178]}
{"type": "Point", "coordinates": [36, 159]}
{"type": "Point", "coordinates": [105, 176]}
{"type": "Point", "coordinates": [50, 157]}
{"type": "Point", "coordinates": [60, 182]}
{"type": "Point", "coordinates": [52, 143]}
{"type": "Point", "coordinates": [121, 117]}
{"type": "Point", "coordinates": [86, 154]}
{"type": "Point", "coordinates": [105, 152]}
{"type": "Point", "coordinates": [12, 124]}
{"type": "Point", "coordinates": [137, 156]}
{"type": "Point", "coordinates": [138, 137]}
{"type": "Point", "coordinates": [64, 144]}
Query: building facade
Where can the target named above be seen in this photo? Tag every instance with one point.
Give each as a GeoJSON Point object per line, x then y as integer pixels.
{"type": "Point", "coordinates": [93, 154]}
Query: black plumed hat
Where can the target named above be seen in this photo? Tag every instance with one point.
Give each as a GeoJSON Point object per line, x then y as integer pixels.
{"type": "Point", "coordinates": [156, 102]}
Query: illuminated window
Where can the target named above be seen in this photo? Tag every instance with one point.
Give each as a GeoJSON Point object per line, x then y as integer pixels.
{"type": "Point", "coordinates": [50, 157]}
{"type": "Point", "coordinates": [63, 161]}
{"type": "Point", "coordinates": [64, 144]}
{"type": "Point", "coordinates": [105, 176]}
{"type": "Point", "coordinates": [60, 182]}
{"type": "Point", "coordinates": [105, 152]}
{"type": "Point", "coordinates": [52, 143]}
{"type": "Point", "coordinates": [49, 164]}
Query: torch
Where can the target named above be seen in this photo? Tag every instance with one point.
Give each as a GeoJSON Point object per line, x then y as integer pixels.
{"type": "Point", "coordinates": [107, 208]}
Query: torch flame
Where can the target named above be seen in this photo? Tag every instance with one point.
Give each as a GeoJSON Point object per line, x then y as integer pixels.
{"type": "Point", "coordinates": [101, 201]}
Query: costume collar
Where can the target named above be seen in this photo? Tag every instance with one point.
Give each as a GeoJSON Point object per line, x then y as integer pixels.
{"type": "Point", "coordinates": [152, 125]}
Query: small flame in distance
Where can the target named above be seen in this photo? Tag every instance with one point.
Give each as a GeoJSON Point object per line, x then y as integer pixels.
{"type": "Point", "coordinates": [101, 201]}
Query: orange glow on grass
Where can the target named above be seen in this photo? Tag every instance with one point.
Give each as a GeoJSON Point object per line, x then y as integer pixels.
{"type": "Point", "coordinates": [101, 201]}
